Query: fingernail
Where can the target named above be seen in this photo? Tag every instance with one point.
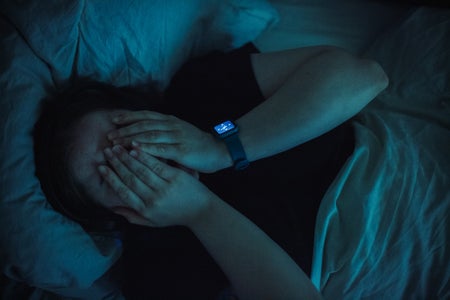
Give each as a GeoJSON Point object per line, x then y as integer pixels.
{"type": "Point", "coordinates": [117, 118]}
{"type": "Point", "coordinates": [102, 170]}
{"type": "Point", "coordinates": [112, 135]}
{"type": "Point", "coordinates": [133, 153]}
{"type": "Point", "coordinates": [108, 153]}
{"type": "Point", "coordinates": [117, 149]}
{"type": "Point", "coordinates": [134, 143]}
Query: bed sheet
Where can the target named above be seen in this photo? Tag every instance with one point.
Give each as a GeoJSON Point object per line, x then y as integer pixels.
{"type": "Point", "coordinates": [383, 227]}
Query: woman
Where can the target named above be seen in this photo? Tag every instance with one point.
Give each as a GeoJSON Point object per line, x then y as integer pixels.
{"type": "Point", "coordinates": [143, 163]}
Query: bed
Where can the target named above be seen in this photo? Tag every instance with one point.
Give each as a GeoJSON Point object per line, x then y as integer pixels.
{"type": "Point", "coordinates": [382, 229]}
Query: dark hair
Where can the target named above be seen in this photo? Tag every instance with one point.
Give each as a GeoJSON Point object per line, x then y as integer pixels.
{"type": "Point", "coordinates": [53, 135]}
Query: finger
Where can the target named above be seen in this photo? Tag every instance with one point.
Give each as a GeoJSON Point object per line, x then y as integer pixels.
{"type": "Point", "coordinates": [149, 137]}
{"type": "Point", "coordinates": [139, 127]}
{"type": "Point", "coordinates": [167, 151]}
{"type": "Point", "coordinates": [129, 178]}
{"type": "Point", "coordinates": [157, 166]}
{"type": "Point", "coordinates": [138, 172]}
{"type": "Point", "coordinates": [140, 115]}
{"type": "Point", "coordinates": [125, 194]}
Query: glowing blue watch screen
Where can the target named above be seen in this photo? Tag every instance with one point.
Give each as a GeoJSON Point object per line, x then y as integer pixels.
{"type": "Point", "coordinates": [224, 127]}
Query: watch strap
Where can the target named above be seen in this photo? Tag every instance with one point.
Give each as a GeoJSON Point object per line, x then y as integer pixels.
{"type": "Point", "coordinates": [236, 151]}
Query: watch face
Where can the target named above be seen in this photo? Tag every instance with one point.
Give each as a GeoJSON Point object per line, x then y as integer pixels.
{"type": "Point", "coordinates": [224, 127]}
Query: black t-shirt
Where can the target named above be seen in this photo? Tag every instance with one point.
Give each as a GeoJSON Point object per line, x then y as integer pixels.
{"type": "Point", "coordinates": [280, 194]}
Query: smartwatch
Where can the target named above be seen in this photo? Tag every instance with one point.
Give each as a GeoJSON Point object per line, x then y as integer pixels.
{"type": "Point", "coordinates": [228, 132]}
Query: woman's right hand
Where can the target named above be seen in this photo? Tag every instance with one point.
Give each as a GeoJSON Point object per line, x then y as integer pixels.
{"type": "Point", "coordinates": [154, 193]}
{"type": "Point", "coordinates": [171, 138]}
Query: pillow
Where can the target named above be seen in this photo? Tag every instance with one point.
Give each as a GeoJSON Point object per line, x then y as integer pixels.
{"type": "Point", "coordinates": [43, 44]}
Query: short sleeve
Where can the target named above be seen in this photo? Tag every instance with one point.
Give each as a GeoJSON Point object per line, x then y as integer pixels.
{"type": "Point", "coordinates": [215, 87]}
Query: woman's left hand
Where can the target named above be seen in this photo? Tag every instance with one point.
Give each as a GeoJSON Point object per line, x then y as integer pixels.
{"type": "Point", "coordinates": [168, 137]}
{"type": "Point", "coordinates": [152, 192]}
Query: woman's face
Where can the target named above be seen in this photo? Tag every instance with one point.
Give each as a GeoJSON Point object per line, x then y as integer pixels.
{"type": "Point", "coordinates": [87, 154]}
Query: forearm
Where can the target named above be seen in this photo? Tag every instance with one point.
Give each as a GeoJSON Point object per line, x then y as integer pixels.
{"type": "Point", "coordinates": [256, 266]}
{"type": "Point", "coordinates": [318, 95]}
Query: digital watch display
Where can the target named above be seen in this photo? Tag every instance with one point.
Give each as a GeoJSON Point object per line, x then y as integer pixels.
{"type": "Point", "coordinates": [228, 132]}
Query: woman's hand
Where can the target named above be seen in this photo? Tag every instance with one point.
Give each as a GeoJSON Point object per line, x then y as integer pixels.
{"type": "Point", "coordinates": [168, 137]}
{"type": "Point", "coordinates": [153, 193]}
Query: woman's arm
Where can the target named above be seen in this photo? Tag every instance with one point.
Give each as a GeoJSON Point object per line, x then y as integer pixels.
{"type": "Point", "coordinates": [309, 91]}
{"type": "Point", "coordinates": [255, 265]}
{"type": "Point", "coordinates": [156, 194]}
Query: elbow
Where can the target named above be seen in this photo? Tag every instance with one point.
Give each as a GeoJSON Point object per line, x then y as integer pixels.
{"type": "Point", "coordinates": [379, 77]}
{"type": "Point", "coordinates": [373, 78]}
{"type": "Point", "coordinates": [364, 77]}
{"type": "Point", "coordinates": [367, 70]}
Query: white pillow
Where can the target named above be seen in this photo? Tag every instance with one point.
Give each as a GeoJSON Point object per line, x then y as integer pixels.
{"type": "Point", "coordinates": [43, 44]}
